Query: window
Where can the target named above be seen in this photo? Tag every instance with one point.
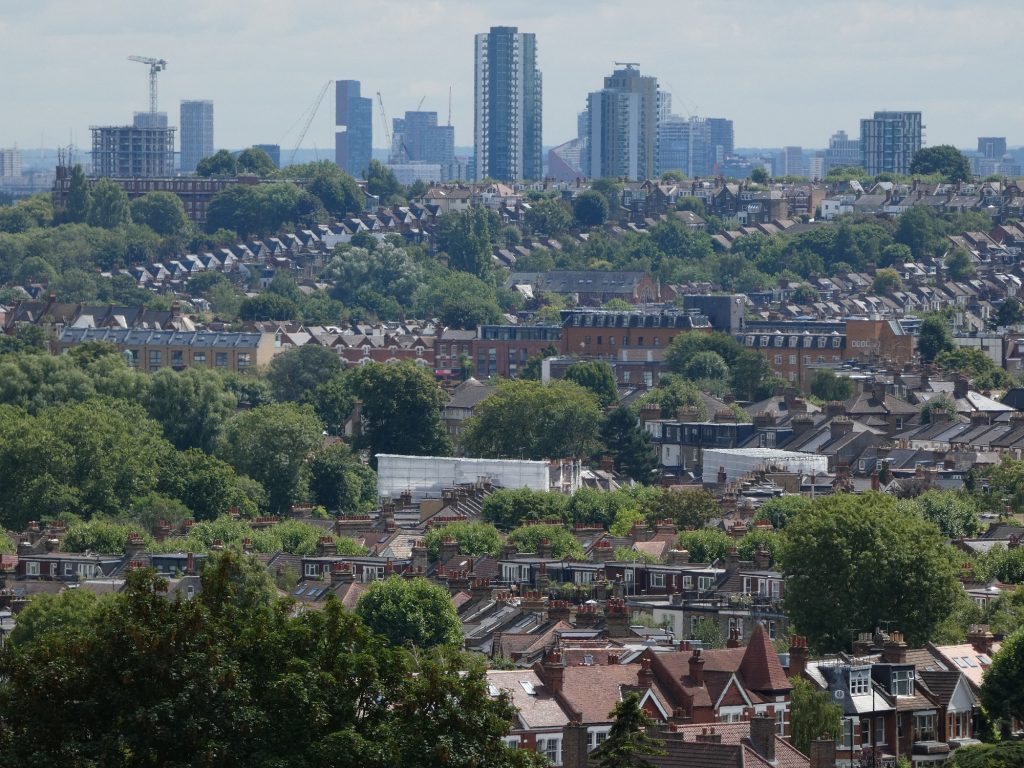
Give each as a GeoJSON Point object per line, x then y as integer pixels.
{"type": "Point", "coordinates": [596, 738]}
{"type": "Point", "coordinates": [780, 722]}
{"type": "Point", "coordinates": [865, 732]}
{"type": "Point", "coordinates": [551, 748]}
{"type": "Point", "coordinates": [705, 582]}
{"type": "Point", "coordinates": [244, 359]}
{"type": "Point", "coordinates": [657, 579]}
{"type": "Point", "coordinates": [792, 359]}
{"type": "Point", "coordinates": [31, 568]}
{"type": "Point", "coordinates": [880, 730]}
{"type": "Point", "coordinates": [737, 624]}
{"type": "Point", "coordinates": [221, 359]}
{"type": "Point", "coordinates": [583, 577]}
{"type": "Point", "coordinates": [859, 682]}
{"type": "Point", "coordinates": [312, 570]}
{"type": "Point", "coordinates": [154, 357]}
{"type": "Point", "coordinates": [177, 358]}
{"type": "Point", "coordinates": [846, 739]}
{"type": "Point", "coordinates": [960, 725]}
{"type": "Point", "coordinates": [924, 727]}
{"type": "Point", "coordinates": [687, 582]}
{"type": "Point", "coordinates": [899, 423]}
{"type": "Point", "coordinates": [68, 569]}
{"type": "Point", "coordinates": [903, 682]}
{"type": "Point", "coordinates": [199, 357]}
{"type": "Point", "coordinates": [512, 742]}
{"type": "Point", "coordinates": [773, 630]}
{"type": "Point", "coordinates": [778, 359]}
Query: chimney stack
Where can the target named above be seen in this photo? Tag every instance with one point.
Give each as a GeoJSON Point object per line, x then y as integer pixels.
{"type": "Point", "coordinates": [823, 753]}
{"type": "Point", "coordinates": [697, 667]}
{"type": "Point", "coordinates": [798, 656]}
{"type": "Point", "coordinates": [554, 672]}
{"type": "Point", "coordinates": [762, 736]}
{"type": "Point", "coordinates": [449, 549]}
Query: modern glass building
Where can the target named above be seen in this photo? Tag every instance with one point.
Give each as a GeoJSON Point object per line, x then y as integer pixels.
{"type": "Point", "coordinates": [353, 139]}
{"type": "Point", "coordinates": [196, 133]}
{"type": "Point", "coordinates": [889, 141]}
{"type": "Point", "coordinates": [624, 125]}
{"type": "Point", "coordinates": [508, 89]}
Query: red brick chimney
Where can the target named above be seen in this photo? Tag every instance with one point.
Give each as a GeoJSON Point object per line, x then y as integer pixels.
{"type": "Point", "coordinates": [798, 656]}
{"type": "Point", "coordinates": [554, 672]}
{"type": "Point", "coordinates": [697, 667]}
{"type": "Point", "coordinates": [823, 753]}
{"type": "Point", "coordinates": [645, 677]}
{"type": "Point", "coordinates": [762, 736]}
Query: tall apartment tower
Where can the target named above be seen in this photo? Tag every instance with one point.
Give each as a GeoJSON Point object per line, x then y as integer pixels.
{"type": "Point", "coordinates": [624, 126]}
{"type": "Point", "coordinates": [842, 151]}
{"type": "Point", "coordinates": [144, 149]}
{"type": "Point", "coordinates": [889, 141]}
{"type": "Point", "coordinates": [196, 133]}
{"type": "Point", "coordinates": [992, 147]}
{"type": "Point", "coordinates": [508, 87]}
{"type": "Point", "coordinates": [684, 144]}
{"type": "Point", "coordinates": [419, 139]}
{"type": "Point", "coordinates": [10, 162]}
{"type": "Point", "coordinates": [353, 139]}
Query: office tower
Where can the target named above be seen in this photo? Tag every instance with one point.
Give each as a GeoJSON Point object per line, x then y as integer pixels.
{"type": "Point", "coordinates": [791, 161]}
{"type": "Point", "coordinates": [684, 144]}
{"type": "Point", "coordinates": [992, 147]}
{"type": "Point", "coordinates": [507, 126]}
{"type": "Point", "coordinates": [624, 125]}
{"type": "Point", "coordinates": [274, 150]}
{"type": "Point", "coordinates": [842, 152]}
{"type": "Point", "coordinates": [353, 140]}
{"type": "Point", "coordinates": [196, 133]}
{"type": "Point", "coordinates": [419, 139]}
{"type": "Point", "coordinates": [816, 166]}
{"type": "Point", "coordinates": [144, 149]}
{"type": "Point", "coordinates": [889, 141]}
{"type": "Point", "coordinates": [10, 162]}
{"type": "Point", "coordinates": [664, 106]}
{"type": "Point", "coordinates": [722, 137]}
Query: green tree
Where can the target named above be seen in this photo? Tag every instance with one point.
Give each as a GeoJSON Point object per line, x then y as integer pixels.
{"type": "Point", "coordinates": [1002, 754]}
{"type": "Point", "coordinates": [472, 539]}
{"type": "Point", "coordinates": [628, 743]}
{"type": "Point", "coordinates": [221, 163]}
{"type": "Point", "coordinates": [934, 338]}
{"type": "Point", "coordinates": [759, 176]}
{"type": "Point", "coordinates": [596, 376]}
{"type": "Point", "coordinates": [673, 393]}
{"type": "Point", "coordinates": [163, 212]}
{"type": "Point", "coordinates": [631, 448]}
{"type": "Point", "coordinates": [955, 514]}
{"type": "Point", "coordinates": [333, 403]}
{"type": "Point", "coordinates": [561, 541]}
{"type": "Point", "coordinates": [387, 270]}
{"type": "Point", "coordinates": [625, 519]}
{"type": "Point", "coordinates": [410, 612]}
{"type": "Point", "coordinates": [705, 545]}
{"type": "Point", "coordinates": [401, 410]}
{"type": "Point", "coordinates": [781, 509]}
{"type": "Point", "coordinates": [942, 403]}
{"type": "Point", "coordinates": [942, 158]}
{"type": "Point", "coordinates": [685, 508]}
{"type": "Point", "coordinates": [466, 238]}
{"type": "Point", "coordinates": [759, 539]}
{"type": "Point", "coordinates": [191, 406]}
{"type": "Point", "coordinates": [548, 217]}
{"type": "Point", "coordinates": [706, 365]}
{"type": "Point", "coordinates": [267, 306]}
{"type": "Point", "coordinates": [296, 373]}
{"type": "Point", "coordinates": [79, 197]}
{"type": "Point", "coordinates": [272, 444]}
{"type": "Point", "coordinates": [611, 188]}
{"type": "Point", "coordinates": [1011, 312]}
{"type": "Point", "coordinates": [339, 481]}
{"type": "Point", "coordinates": [707, 633]}
{"type": "Point", "coordinates": [884, 566]}
{"type": "Point", "coordinates": [255, 161]}
{"type": "Point", "coordinates": [458, 300]}
{"type": "Point", "coordinates": [339, 192]}
{"type": "Point", "coordinates": [886, 281]}
{"type": "Point", "coordinates": [828, 386]}
{"type": "Point", "coordinates": [959, 265]}
{"type": "Point", "coordinates": [921, 230]}
{"type": "Point", "coordinates": [381, 182]}
{"type": "Point", "coordinates": [508, 507]}
{"type": "Point", "coordinates": [526, 419]}
{"type": "Point", "coordinates": [590, 209]}
{"type": "Point", "coordinates": [1002, 694]}
{"type": "Point", "coordinates": [812, 715]}
{"type": "Point", "coordinates": [52, 615]}
{"type": "Point", "coordinates": [109, 208]}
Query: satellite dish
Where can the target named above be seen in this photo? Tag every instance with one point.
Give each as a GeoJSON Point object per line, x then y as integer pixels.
{"type": "Point", "coordinates": [839, 695]}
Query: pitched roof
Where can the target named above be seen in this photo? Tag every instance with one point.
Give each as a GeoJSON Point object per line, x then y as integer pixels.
{"type": "Point", "coordinates": [760, 668]}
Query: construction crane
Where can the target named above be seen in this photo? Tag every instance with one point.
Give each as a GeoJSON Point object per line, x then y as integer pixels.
{"type": "Point", "coordinates": [155, 67]}
{"type": "Point", "coordinates": [312, 110]}
{"type": "Point", "coordinates": [420, 105]}
{"type": "Point", "coordinates": [384, 117]}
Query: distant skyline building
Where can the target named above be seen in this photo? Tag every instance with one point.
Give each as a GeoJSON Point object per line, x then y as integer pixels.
{"type": "Point", "coordinates": [816, 166]}
{"type": "Point", "coordinates": [10, 163]}
{"type": "Point", "coordinates": [418, 139]}
{"type": "Point", "coordinates": [507, 106]}
{"type": "Point", "coordinates": [565, 162]}
{"type": "Point", "coordinates": [353, 138]}
{"type": "Point", "coordinates": [624, 126]}
{"type": "Point", "coordinates": [842, 152]}
{"type": "Point", "coordinates": [274, 150]}
{"type": "Point", "coordinates": [889, 141]}
{"type": "Point", "coordinates": [791, 161]}
{"type": "Point", "coordinates": [144, 149]}
{"type": "Point", "coordinates": [723, 138]}
{"type": "Point", "coordinates": [684, 144]}
{"type": "Point", "coordinates": [992, 147]}
{"type": "Point", "coordinates": [196, 125]}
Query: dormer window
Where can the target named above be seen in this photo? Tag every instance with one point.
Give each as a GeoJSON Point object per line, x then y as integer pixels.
{"type": "Point", "coordinates": [859, 682]}
{"type": "Point", "coordinates": [903, 682]}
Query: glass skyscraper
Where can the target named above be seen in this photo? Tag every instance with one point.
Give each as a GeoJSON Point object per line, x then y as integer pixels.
{"type": "Point", "coordinates": [353, 140]}
{"type": "Point", "coordinates": [196, 133]}
{"type": "Point", "coordinates": [508, 90]}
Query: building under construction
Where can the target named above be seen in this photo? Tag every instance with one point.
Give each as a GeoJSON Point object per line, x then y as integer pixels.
{"type": "Point", "coordinates": [144, 149]}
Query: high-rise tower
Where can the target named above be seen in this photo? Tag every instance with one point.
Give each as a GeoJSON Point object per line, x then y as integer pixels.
{"type": "Point", "coordinates": [507, 128]}
{"type": "Point", "coordinates": [624, 125]}
{"type": "Point", "coordinates": [889, 141]}
{"type": "Point", "coordinates": [353, 140]}
{"type": "Point", "coordinates": [196, 133]}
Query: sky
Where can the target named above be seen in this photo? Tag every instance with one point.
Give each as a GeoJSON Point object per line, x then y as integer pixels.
{"type": "Point", "coordinates": [786, 73]}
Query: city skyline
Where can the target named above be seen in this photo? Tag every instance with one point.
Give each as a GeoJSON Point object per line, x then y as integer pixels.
{"type": "Point", "coordinates": [66, 64]}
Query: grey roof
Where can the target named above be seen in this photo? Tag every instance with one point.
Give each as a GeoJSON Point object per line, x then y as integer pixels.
{"type": "Point", "coordinates": [160, 338]}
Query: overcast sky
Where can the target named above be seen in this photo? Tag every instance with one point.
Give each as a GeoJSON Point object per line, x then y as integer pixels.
{"type": "Point", "coordinates": [785, 72]}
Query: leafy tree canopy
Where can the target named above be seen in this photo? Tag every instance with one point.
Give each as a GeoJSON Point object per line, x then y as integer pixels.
{"type": "Point", "coordinates": [943, 158]}
{"type": "Point", "coordinates": [563, 544]}
{"type": "Point", "coordinates": [410, 612]}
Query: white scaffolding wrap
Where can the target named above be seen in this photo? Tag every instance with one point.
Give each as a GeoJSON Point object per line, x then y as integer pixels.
{"type": "Point", "coordinates": [427, 476]}
{"type": "Point", "coordinates": [740, 462]}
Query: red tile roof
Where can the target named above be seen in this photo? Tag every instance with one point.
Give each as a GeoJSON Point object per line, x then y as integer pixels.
{"type": "Point", "coordinates": [760, 668]}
